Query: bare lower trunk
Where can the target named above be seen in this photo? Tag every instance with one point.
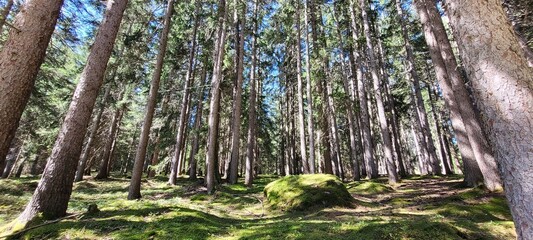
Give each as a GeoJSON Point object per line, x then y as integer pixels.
{"type": "Point", "coordinates": [368, 148]}
{"type": "Point", "coordinates": [213, 119]}
{"type": "Point", "coordinates": [140, 154]}
{"type": "Point", "coordinates": [20, 60]}
{"type": "Point", "coordinates": [503, 87]}
{"type": "Point", "coordinates": [480, 146]}
{"type": "Point", "coordinates": [387, 143]}
{"type": "Point", "coordinates": [53, 192]}
{"type": "Point", "coordinates": [310, 123]}
{"type": "Point", "coordinates": [250, 145]}
{"type": "Point", "coordinates": [301, 114]}
{"type": "Point", "coordinates": [473, 176]}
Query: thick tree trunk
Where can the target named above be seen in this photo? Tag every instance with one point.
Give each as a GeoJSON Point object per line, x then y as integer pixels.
{"type": "Point", "coordinates": [53, 192]}
{"type": "Point", "coordinates": [387, 143]}
{"type": "Point", "coordinates": [240, 26]}
{"type": "Point", "coordinates": [189, 80]}
{"type": "Point", "coordinates": [140, 154]}
{"type": "Point", "coordinates": [213, 119]}
{"type": "Point", "coordinates": [503, 87]}
{"type": "Point", "coordinates": [20, 60]}
{"type": "Point", "coordinates": [476, 135]}
{"type": "Point", "coordinates": [250, 160]}
{"type": "Point", "coordinates": [473, 175]}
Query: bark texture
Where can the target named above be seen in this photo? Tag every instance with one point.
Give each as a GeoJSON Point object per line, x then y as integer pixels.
{"type": "Point", "coordinates": [53, 192]}
{"type": "Point", "coordinates": [20, 60]}
{"type": "Point", "coordinates": [502, 84]}
{"type": "Point", "coordinates": [140, 154]}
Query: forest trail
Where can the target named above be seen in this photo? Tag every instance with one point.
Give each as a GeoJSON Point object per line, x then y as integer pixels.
{"type": "Point", "coordinates": [417, 208]}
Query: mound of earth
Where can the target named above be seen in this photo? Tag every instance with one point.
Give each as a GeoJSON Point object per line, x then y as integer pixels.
{"type": "Point", "coordinates": [300, 192]}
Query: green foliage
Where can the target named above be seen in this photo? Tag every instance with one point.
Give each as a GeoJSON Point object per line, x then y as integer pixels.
{"type": "Point", "coordinates": [300, 192]}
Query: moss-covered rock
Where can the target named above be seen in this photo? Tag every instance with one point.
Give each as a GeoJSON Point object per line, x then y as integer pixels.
{"type": "Point", "coordinates": [300, 192]}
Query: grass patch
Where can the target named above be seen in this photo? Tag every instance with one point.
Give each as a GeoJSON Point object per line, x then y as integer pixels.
{"type": "Point", "coordinates": [185, 211]}
{"type": "Point", "coordinates": [368, 188]}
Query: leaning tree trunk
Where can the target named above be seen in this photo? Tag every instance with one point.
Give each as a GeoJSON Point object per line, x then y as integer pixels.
{"type": "Point", "coordinates": [476, 135]}
{"type": "Point", "coordinates": [473, 175]}
{"type": "Point", "coordinates": [250, 158]}
{"type": "Point", "coordinates": [20, 60]}
{"type": "Point", "coordinates": [214, 105]}
{"type": "Point", "coordinates": [240, 26]}
{"type": "Point", "coordinates": [53, 192]}
{"type": "Point", "coordinates": [385, 134]}
{"type": "Point", "coordinates": [136, 175]}
{"type": "Point", "coordinates": [502, 84]}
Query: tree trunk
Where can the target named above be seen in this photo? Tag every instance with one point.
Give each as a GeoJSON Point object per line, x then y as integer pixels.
{"type": "Point", "coordinates": [189, 80]}
{"type": "Point", "coordinates": [476, 135]}
{"type": "Point", "coordinates": [249, 174]}
{"type": "Point", "coordinates": [53, 192]}
{"type": "Point", "coordinates": [240, 26]}
{"type": "Point", "coordinates": [214, 104]}
{"type": "Point", "coordinates": [102, 172]}
{"type": "Point", "coordinates": [473, 175]}
{"type": "Point", "coordinates": [301, 114]}
{"type": "Point", "coordinates": [310, 123]}
{"type": "Point", "coordinates": [503, 87]}
{"type": "Point", "coordinates": [387, 143]}
{"type": "Point", "coordinates": [20, 60]}
{"type": "Point", "coordinates": [140, 154]}
{"type": "Point", "coordinates": [92, 134]}
{"type": "Point", "coordinates": [197, 127]}
{"type": "Point", "coordinates": [368, 155]}
{"type": "Point", "coordinates": [5, 14]}
{"type": "Point", "coordinates": [421, 120]}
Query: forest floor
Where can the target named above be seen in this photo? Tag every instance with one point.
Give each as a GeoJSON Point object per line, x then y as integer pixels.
{"type": "Point", "coordinates": [418, 208]}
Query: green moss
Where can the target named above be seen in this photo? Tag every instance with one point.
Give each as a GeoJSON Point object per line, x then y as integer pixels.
{"type": "Point", "coordinates": [304, 191]}
{"type": "Point", "coordinates": [369, 188]}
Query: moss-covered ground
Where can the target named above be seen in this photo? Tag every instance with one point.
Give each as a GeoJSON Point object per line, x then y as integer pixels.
{"type": "Point", "coordinates": [418, 208]}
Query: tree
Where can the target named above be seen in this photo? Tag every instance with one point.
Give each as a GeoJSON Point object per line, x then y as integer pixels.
{"type": "Point", "coordinates": [503, 88]}
{"type": "Point", "coordinates": [473, 175]}
{"type": "Point", "coordinates": [53, 192]}
{"type": "Point", "coordinates": [250, 146]}
{"type": "Point", "coordinates": [214, 104]}
{"type": "Point", "coordinates": [189, 78]}
{"type": "Point", "coordinates": [385, 134]}
{"type": "Point", "coordinates": [20, 60]}
{"type": "Point", "coordinates": [476, 136]}
{"type": "Point", "coordinates": [301, 114]}
{"type": "Point", "coordinates": [135, 184]}
{"type": "Point", "coordinates": [240, 24]}
{"type": "Point", "coordinates": [368, 148]}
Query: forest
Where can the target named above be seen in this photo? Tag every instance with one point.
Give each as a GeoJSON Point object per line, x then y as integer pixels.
{"type": "Point", "coordinates": [266, 119]}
